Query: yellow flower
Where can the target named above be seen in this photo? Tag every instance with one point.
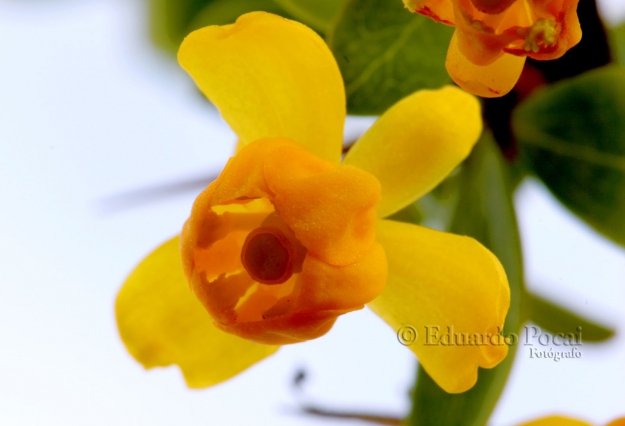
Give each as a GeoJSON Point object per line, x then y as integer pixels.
{"type": "Point", "coordinates": [493, 37]}
{"type": "Point", "coordinates": [567, 421]}
{"type": "Point", "coordinates": [288, 238]}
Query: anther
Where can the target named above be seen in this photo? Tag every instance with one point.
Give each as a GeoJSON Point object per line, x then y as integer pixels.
{"type": "Point", "coordinates": [544, 33]}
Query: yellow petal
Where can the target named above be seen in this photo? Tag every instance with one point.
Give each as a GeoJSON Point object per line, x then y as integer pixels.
{"type": "Point", "coordinates": [270, 77]}
{"type": "Point", "coordinates": [162, 323]}
{"type": "Point", "coordinates": [417, 143]}
{"type": "Point", "coordinates": [556, 421]}
{"type": "Point", "coordinates": [438, 284]}
{"type": "Point", "coordinates": [490, 81]}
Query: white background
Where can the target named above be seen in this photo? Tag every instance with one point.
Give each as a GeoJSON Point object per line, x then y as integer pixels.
{"type": "Point", "coordinates": [88, 110]}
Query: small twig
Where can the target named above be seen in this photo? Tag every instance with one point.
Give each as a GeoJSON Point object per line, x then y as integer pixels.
{"type": "Point", "coordinates": [137, 197]}
{"type": "Point", "coordinates": [348, 144]}
{"type": "Point", "coordinates": [150, 194]}
{"type": "Point", "coordinates": [371, 418]}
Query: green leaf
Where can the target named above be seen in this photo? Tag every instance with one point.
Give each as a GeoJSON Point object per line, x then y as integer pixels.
{"type": "Point", "coordinates": [409, 214]}
{"type": "Point", "coordinates": [555, 319]}
{"type": "Point", "coordinates": [169, 20]}
{"type": "Point", "coordinates": [172, 20]}
{"type": "Point", "coordinates": [573, 136]}
{"type": "Point", "coordinates": [435, 209]}
{"type": "Point", "coordinates": [617, 43]}
{"type": "Point", "coordinates": [485, 212]}
{"type": "Point", "coordinates": [386, 53]}
{"type": "Point", "coordinates": [222, 12]}
{"type": "Point", "coordinates": [315, 13]}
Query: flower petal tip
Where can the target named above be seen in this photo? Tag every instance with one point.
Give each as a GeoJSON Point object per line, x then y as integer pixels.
{"type": "Point", "coordinates": [264, 68]}
{"type": "Point", "coordinates": [489, 81]}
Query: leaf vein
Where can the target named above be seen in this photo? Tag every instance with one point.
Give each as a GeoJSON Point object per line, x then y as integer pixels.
{"type": "Point", "coordinates": [582, 153]}
{"type": "Point", "coordinates": [385, 57]}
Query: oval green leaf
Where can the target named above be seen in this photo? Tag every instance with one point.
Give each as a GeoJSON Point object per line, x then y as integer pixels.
{"type": "Point", "coordinates": [386, 53]}
{"type": "Point", "coordinates": [573, 137]}
{"type": "Point", "coordinates": [555, 319]}
{"type": "Point", "coordinates": [172, 20]}
{"type": "Point", "coordinates": [317, 14]}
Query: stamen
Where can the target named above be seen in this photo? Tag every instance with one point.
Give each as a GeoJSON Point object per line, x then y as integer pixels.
{"type": "Point", "coordinates": [543, 34]}
{"type": "Point", "coordinates": [268, 255]}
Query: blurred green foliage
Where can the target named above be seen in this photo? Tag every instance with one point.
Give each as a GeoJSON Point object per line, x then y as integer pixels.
{"type": "Point", "coordinates": [172, 20]}
{"type": "Point", "coordinates": [572, 135]}
{"type": "Point", "coordinates": [555, 320]}
{"type": "Point", "coordinates": [386, 53]}
{"type": "Point", "coordinates": [317, 14]}
{"type": "Point", "coordinates": [617, 39]}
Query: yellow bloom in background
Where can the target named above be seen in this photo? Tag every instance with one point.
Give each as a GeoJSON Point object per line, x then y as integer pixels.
{"type": "Point", "coordinates": [493, 37]}
{"type": "Point", "coordinates": [556, 421]}
{"type": "Point", "coordinates": [567, 421]}
{"type": "Point", "coordinates": [288, 237]}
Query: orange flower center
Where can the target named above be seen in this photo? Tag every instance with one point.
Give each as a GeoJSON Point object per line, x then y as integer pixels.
{"type": "Point", "coordinates": [492, 7]}
{"type": "Point", "coordinates": [268, 255]}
